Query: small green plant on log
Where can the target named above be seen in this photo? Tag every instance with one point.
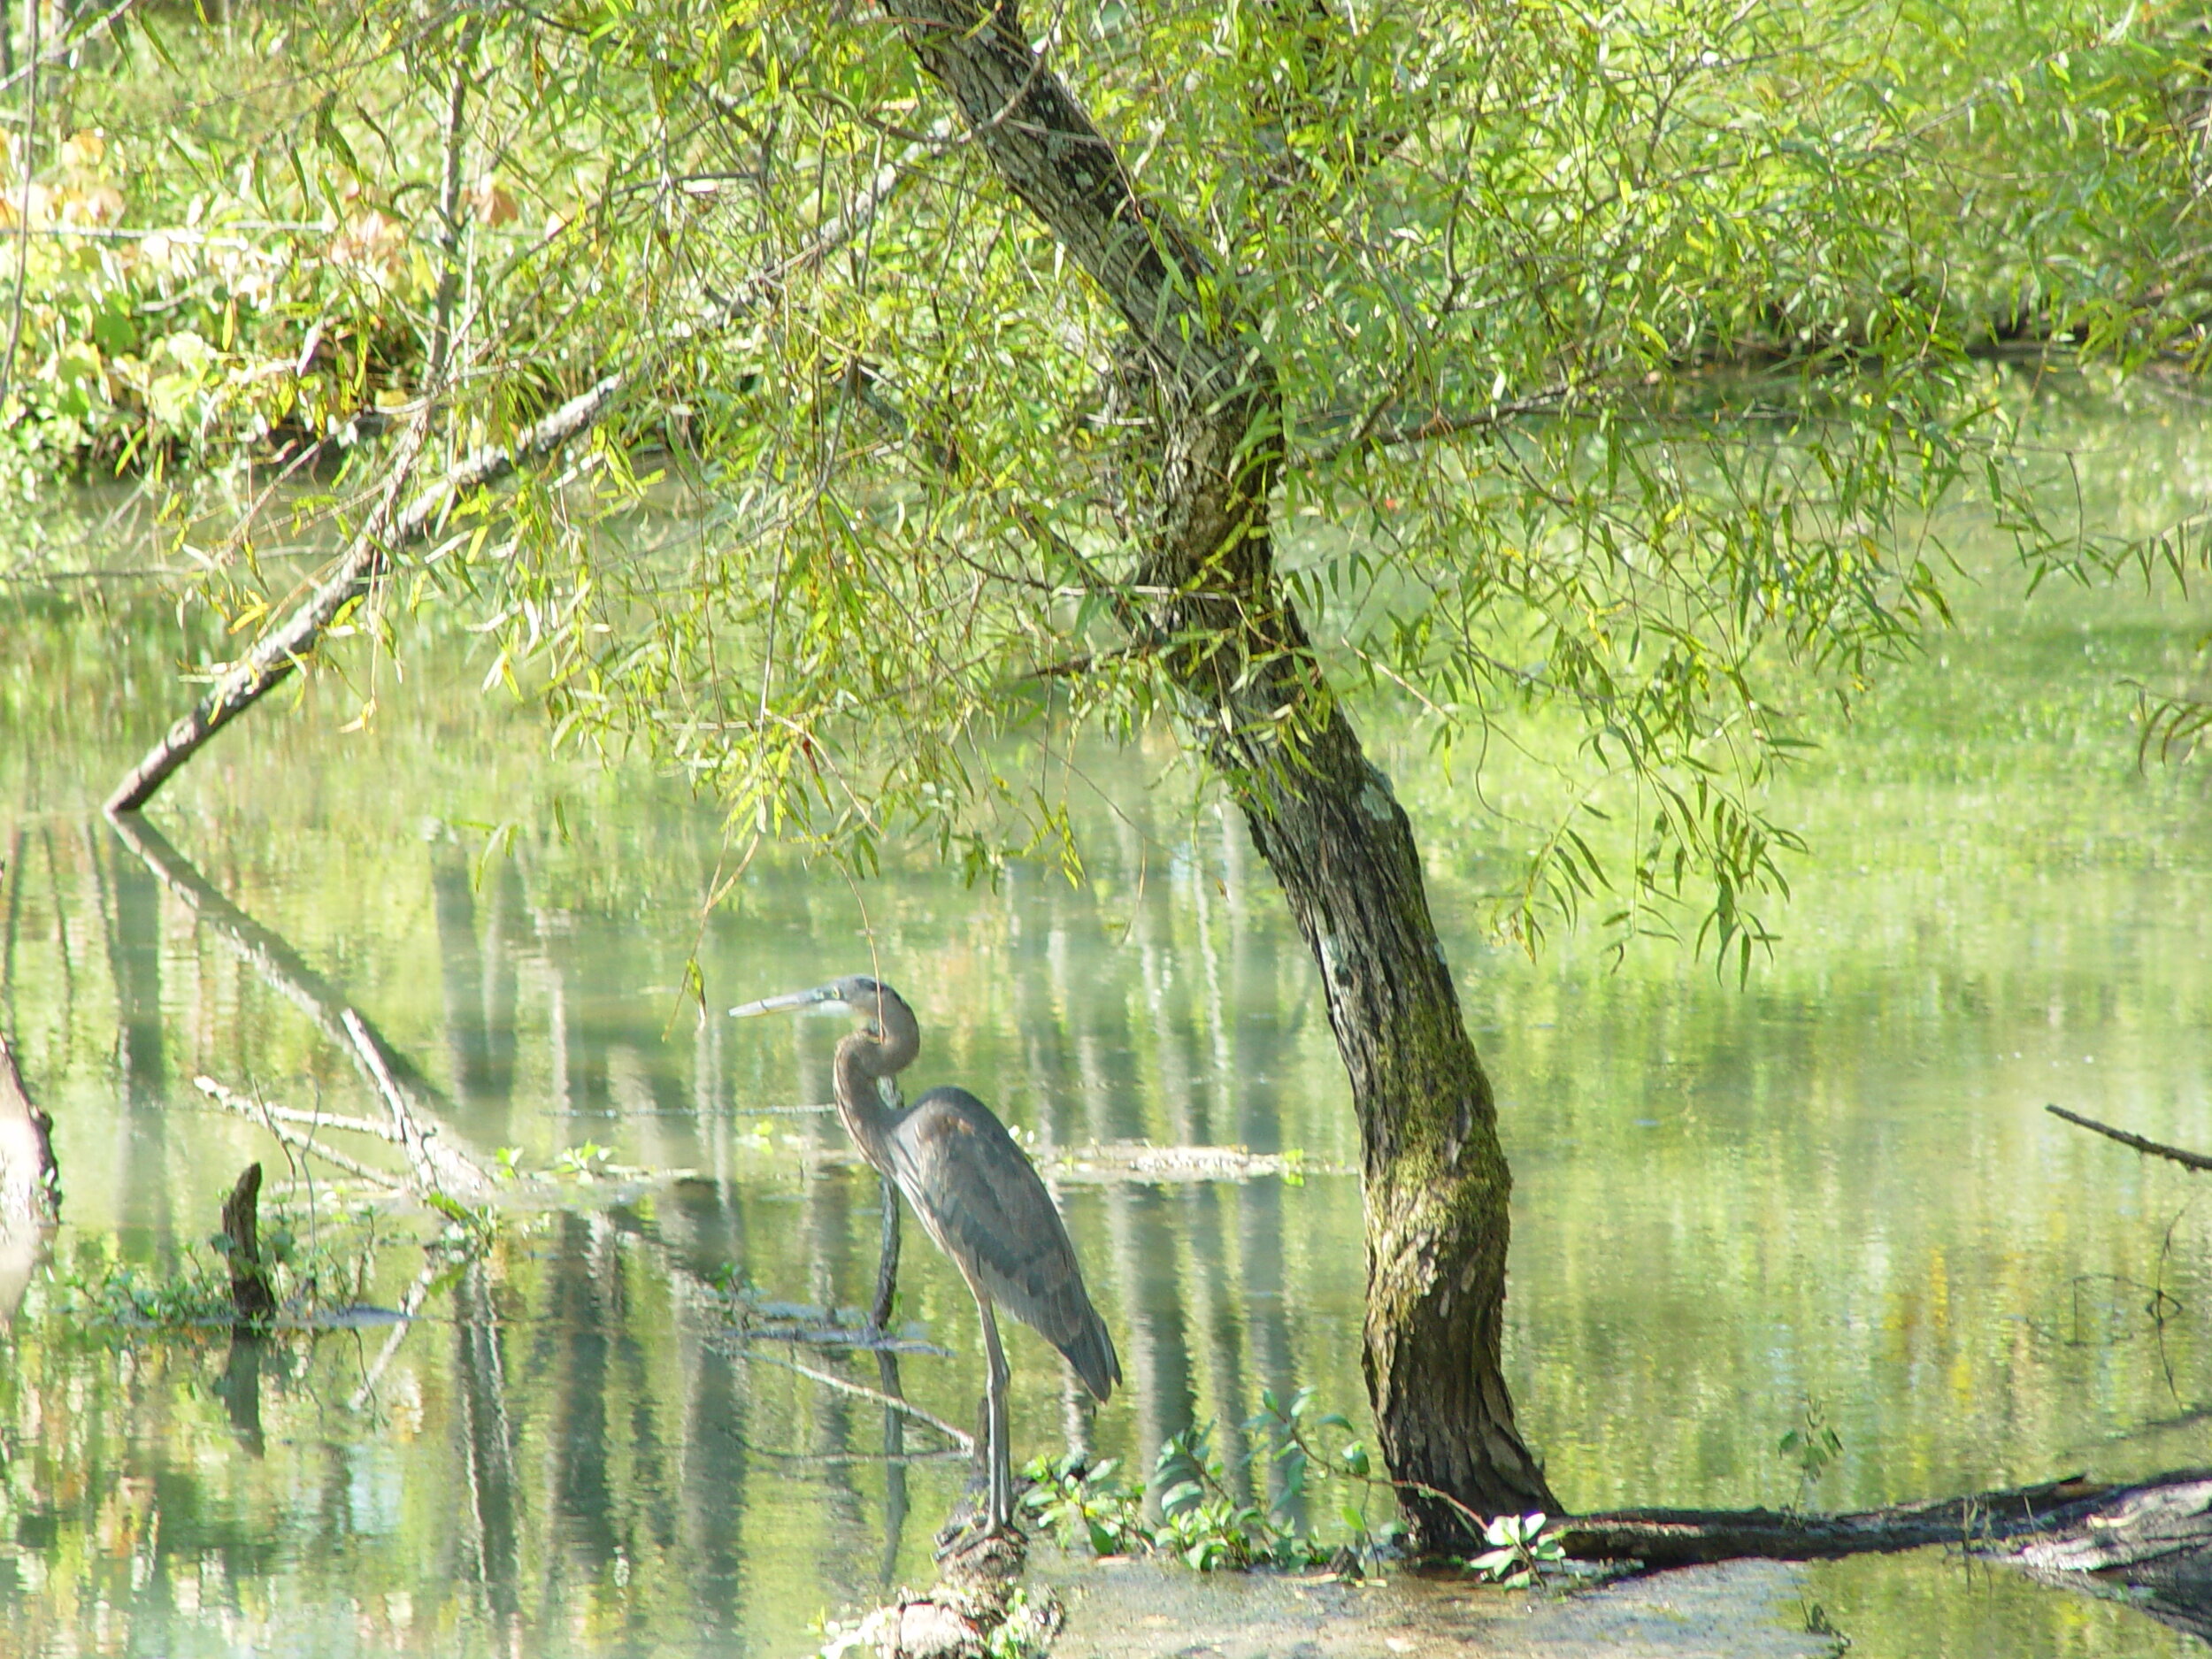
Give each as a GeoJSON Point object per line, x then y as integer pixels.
{"type": "Point", "coordinates": [1814, 1445]}
{"type": "Point", "coordinates": [1520, 1548]}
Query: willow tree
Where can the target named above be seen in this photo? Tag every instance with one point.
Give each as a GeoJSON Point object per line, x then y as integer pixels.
{"type": "Point", "coordinates": [1076, 370]}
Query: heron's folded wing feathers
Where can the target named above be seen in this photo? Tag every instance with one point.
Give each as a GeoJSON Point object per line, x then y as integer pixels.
{"type": "Point", "coordinates": [986, 1205]}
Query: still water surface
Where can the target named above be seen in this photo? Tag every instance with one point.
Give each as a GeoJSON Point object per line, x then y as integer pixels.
{"type": "Point", "coordinates": [1834, 1186]}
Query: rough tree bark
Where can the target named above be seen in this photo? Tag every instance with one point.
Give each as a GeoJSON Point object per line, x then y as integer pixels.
{"type": "Point", "coordinates": [1207, 600]}
{"type": "Point", "coordinates": [251, 1294]}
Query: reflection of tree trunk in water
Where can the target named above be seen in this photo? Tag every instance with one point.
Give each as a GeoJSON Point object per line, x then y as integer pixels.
{"type": "Point", "coordinates": [461, 963]}
{"type": "Point", "coordinates": [61, 930]}
{"type": "Point", "coordinates": [135, 954]}
{"type": "Point", "coordinates": [1159, 1369]}
{"type": "Point", "coordinates": [1255, 1112]}
{"type": "Point", "coordinates": [240, 1386]}
{"type": "Point", "coordinates": [578, 1330]}
{"type": "Point", "coordinates": [1051, 1091]}
{"type": "Point", "coordinates": [11, 922]}
{"type": "Point", "coordinates": [1196, 1238]}
{"type": "Point", "coordinates": [826, 1235]}
{"type": "Point", "coordinates": [714, 1483]}
{"type": "Point", "coordinates": [29, 1183]}
{"type": "Point", "coordinates": [270, 956]}
{"type": "Point", "coordinates": [487, 1453]}
{"type": "Point", "coordinates": [505, 938]}
{"type": "Point", "coordinates": [440, 1158]}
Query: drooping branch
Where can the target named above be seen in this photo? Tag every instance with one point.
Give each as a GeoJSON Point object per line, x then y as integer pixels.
{"type": "Point", "coordinates": [392, 528]}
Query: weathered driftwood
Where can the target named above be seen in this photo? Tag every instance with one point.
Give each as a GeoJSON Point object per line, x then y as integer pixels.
{"type": "Point", "coordinates": [391, 526]}
{"type": "Point", "coordinates": [252, 1296]}
{"type": "Point", "coordinates": [2156, 1149]}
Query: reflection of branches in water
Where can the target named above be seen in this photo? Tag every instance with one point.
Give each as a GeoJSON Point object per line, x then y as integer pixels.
{"type": "Point", "coordinates": [2162, 1306]}
{"type": "Point", "coordinates": [960, 1437]}
{"type": "Point", "coordinates": [271, 956]}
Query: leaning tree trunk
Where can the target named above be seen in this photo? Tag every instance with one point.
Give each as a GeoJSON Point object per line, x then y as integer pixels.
{"type": "Point", "coordinates": [1322, 816]}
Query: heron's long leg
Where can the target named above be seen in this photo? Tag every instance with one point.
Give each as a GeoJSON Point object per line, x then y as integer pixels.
{"type": "Point", "coordinates": [1001, 1511]}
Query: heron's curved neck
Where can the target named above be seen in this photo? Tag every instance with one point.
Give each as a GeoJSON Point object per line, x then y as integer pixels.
{"type": "Point", "coordinates": [864, 1059]}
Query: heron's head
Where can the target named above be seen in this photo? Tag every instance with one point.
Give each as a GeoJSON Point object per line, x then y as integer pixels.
{"type": "Point", "coordinates": [855, 994]}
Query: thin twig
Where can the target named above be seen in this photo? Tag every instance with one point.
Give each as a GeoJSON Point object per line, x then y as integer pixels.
{"type": "Point", "coordinates": [232, 1101]}
{"type": "Point", "coordinates": [2186, 1159]}
{"type": "Point", "coordinates": [891, 1402]}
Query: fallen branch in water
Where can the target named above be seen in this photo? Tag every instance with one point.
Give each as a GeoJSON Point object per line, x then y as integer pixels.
{"type": "Point", "coordinates": [2186, 1159]}
{"type": "Point", "coordinates": [230, 1100]}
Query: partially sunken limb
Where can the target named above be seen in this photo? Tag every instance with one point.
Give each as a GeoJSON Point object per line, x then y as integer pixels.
{"type": "Point", "coordinates": [2150, 1546]}
{"type": "Point", "coordinates": [391, 527]}
{"type": "Point", "coordinates": [2159, 1149]}
{"type": "Point", "coordinates": [2150, 1543]}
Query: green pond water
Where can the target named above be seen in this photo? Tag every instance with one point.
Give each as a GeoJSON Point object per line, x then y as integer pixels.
{"type": "Point", "coordinates": [1833, 1185]}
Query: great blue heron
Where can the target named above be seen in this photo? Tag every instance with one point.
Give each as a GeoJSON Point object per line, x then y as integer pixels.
{"type": "Point", "coordinates": [978, 1195]}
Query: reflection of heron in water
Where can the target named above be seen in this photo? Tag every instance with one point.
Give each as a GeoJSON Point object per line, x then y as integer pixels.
{"type": "Point", "coordinates": [976, 1192]}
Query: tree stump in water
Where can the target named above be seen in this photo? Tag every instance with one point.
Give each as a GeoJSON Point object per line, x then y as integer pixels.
{"type": "Point", "coordinates": [250, 1292]}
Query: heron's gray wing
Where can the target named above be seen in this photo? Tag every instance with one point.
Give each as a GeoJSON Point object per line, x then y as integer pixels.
{"type": "Point", "coordinates": [985, 1204]}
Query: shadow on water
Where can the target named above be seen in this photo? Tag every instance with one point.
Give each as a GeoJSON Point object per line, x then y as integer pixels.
{"type": "Point", "coordinates": [1835, 1185]}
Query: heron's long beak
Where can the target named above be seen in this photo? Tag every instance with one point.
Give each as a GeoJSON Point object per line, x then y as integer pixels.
{"type": "Point", "coordinates": [822, 995]}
